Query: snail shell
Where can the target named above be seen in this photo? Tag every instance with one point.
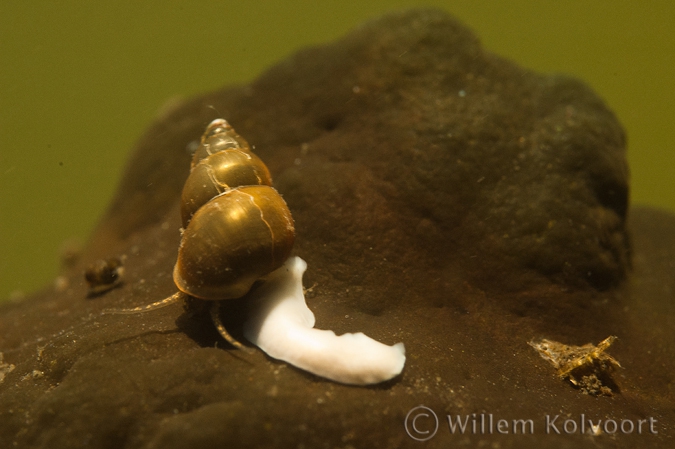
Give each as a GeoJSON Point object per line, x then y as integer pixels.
{"type": "Point", "coordinates": [237, 227]}
{"type": "Point", "coordinates": [218, 173]}
{"type": "Point", "coordinates": [104, 274]}
{"type": "Point", "coordinates": [218, 136]}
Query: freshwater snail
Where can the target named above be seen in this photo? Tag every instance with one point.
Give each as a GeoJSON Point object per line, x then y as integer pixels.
{"type": "Point", "coordinates": [237, 228]}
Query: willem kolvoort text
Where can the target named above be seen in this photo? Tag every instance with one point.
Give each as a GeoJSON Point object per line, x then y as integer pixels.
{"type": "Point", "coordinates": [551, 424]}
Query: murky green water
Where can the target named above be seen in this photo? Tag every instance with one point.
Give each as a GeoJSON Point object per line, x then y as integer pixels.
{"type": "Point", "coordinates": [79, 83]}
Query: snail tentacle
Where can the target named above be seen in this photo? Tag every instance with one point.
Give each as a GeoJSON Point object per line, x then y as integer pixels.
{"type": "Point", "coordinates": [215, 317]}
{"type": "Point", "coordinates": [147, 308]}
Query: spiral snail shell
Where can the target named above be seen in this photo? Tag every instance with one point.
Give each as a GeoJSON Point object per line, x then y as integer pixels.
{"type": "Point", "coordinates": [237, 227]}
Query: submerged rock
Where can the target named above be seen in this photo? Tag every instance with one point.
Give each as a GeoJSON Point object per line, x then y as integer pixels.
{"type": "Point", "coordinates": [443, 197]}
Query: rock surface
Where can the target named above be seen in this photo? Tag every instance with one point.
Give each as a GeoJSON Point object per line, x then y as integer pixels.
{"type": "Point", "coordinates": [443, 197]}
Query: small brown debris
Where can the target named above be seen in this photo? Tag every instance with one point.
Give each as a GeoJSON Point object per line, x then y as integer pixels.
{"type": "Point", "coordinates": [103, 275]}
{"type": "Point", "coordinates": [5, 368]}
{"type": "Point", "coordinates": [587, 367]}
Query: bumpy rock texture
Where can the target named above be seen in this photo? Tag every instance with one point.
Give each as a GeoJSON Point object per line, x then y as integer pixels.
{"type": "Point", "coordinates": [443, 197]}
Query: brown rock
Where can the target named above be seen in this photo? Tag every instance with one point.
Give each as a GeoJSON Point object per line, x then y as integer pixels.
{"type": "Point", "coordinates": [443, 197]}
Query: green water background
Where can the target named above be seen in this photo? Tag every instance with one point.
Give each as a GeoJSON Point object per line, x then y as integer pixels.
{"type": "Point", "coordinates": [79, 82]}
